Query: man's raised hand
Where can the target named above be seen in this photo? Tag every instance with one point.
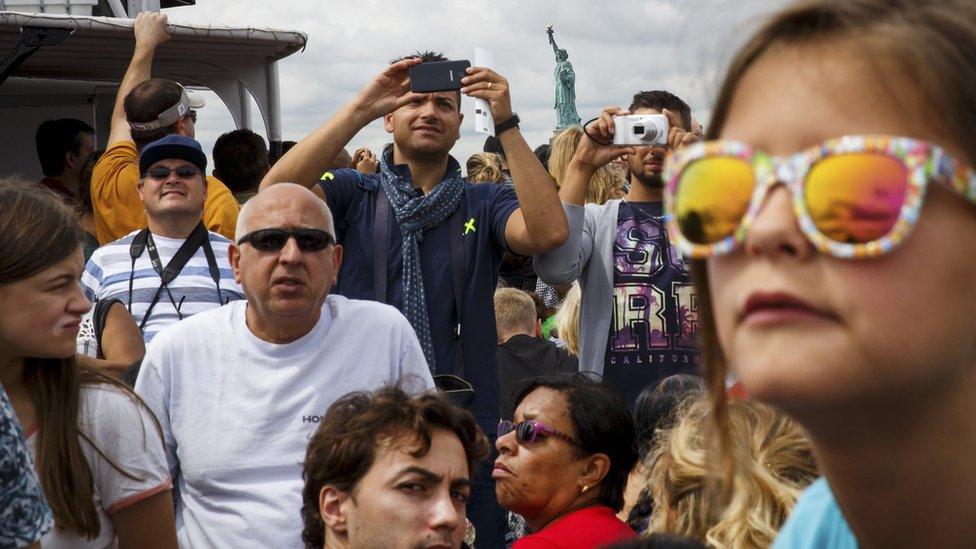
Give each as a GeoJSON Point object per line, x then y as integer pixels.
{"type": "Point", "coordinates": [486, 84]}
{"type": "Point", "coordinates": [595, 148]}
{"type": "Point", "coordinates": [386, 93]}
{"type": "Point", "coordinates": [150, 29]}
{"type": "Point", "coordinates": [677, 136]}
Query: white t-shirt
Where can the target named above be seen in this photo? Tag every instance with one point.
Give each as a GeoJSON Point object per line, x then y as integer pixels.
{"type": "Point", "coordinates": [238, 412]}
{"type": "Point", "coordinates": [126, 433]}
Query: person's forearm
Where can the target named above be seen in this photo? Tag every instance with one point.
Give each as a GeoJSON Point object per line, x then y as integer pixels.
{"type": "Point", "coordinates": [140, 70]}
{"type": "Point", "coordinates": [311, 157]}
{"type": "Point", "coordinates": [576, 178]}
{"type": "Point", "coordinates": [114, 368]}
{"type": "Point", "coordinates": [545, 221]}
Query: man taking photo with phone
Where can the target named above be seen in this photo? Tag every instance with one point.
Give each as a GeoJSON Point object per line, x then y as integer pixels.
{"type": "Point", "coordinates": [418, 236]}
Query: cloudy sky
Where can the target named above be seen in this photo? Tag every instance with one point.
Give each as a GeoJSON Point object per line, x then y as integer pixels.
{"type": "Point", "coordinates": [616, 48]}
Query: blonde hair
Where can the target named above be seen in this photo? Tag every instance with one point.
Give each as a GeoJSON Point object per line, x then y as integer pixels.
{"type": "Point", "coordinates": [567, 319]}
{"type": "Point", "coordinates": [485, 168]}
{"type": "Point", "coordinates": [606, 183]}
{"type": "Point", "coordinates": [514, 311]}
{"type": "Point", "coordinates": [773, 464]}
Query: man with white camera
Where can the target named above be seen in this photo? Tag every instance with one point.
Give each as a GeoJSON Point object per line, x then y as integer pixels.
{"type": "Point", "coordinates": [620, 253]}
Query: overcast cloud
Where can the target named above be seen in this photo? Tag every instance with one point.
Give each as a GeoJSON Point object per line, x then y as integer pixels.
{"type": "Point", "coordinates": [616, 48]}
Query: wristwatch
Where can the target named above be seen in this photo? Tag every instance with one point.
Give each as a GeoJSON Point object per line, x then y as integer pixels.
{"type": "Point", "coordinates": [512, 122]}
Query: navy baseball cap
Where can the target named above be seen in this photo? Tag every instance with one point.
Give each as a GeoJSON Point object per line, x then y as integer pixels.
{"type": "Point", "coordinates": [170, 147]}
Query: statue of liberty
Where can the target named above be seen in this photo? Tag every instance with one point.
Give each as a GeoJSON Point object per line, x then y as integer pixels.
{"type": "Point", "coordinates": [565, 87]}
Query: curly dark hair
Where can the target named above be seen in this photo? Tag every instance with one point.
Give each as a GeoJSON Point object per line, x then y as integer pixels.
{"type": "Point", "coordinates": [344, 446]}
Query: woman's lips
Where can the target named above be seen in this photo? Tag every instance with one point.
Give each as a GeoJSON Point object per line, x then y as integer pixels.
{"type": "Point", "coordinates": [70, 327]}
{"type": "Point", "coordinates": [501, 471]}
{"type": "Point", "coordinates": [773, 308]}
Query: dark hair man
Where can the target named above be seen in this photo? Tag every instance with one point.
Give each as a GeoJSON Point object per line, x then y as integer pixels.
{"type": "Point", "coordinates": [175, 268]}
{"type": "Point", "coordinates": [433, 249]}
{"type": "Point", "coordinates": [238, 390]}
{"type": "Point", "coordinates": [63, 146]}
{"type": "Point", "coordinates": [388, 470]}
{"type": "Point", "coordinates": [147, 109]}
{"type": "Point", "coordinates": [621, 256]}
{"type": "Point", "coordinates": [240, 161]}
{"type": "Point", "coordinates": [522, 353]}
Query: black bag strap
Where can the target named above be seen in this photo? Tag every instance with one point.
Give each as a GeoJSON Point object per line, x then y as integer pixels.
{"type": "Point", "coordinates": [381, 242]}
{"type": "Point", "coordinates": [143, 240]}
{"type": "Point", "coordinates": [100, 317]}
{"type": "Point", "coordinates": [214, 269]}
{"type": "Point", "coordinates": [457, 272]}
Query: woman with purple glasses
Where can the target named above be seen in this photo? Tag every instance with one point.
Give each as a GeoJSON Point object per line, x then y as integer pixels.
{"type": "Point", "coordinates": [564, 462]}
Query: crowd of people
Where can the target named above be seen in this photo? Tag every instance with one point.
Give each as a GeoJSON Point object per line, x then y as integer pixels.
{"type": "Point", "coordinates": [709, 342]}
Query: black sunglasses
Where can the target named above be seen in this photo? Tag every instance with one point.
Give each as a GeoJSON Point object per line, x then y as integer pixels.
{"type": "Point", "coordinates": [162, 172]}
{"type": "Point", "coordinates": [192, 115]}
{"type": "Point", "coordinates": [272, 240]}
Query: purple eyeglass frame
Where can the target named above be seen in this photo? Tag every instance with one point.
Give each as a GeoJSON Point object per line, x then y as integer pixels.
{"type": "Point", "coordinates": [505, 427]}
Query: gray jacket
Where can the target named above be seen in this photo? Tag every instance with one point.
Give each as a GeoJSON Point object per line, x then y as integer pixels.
{"type": "Point", "coordinates": [587, 256]}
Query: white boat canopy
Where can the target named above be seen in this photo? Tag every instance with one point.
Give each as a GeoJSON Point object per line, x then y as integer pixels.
{"type": "Point", "coordinates": [83, 69]}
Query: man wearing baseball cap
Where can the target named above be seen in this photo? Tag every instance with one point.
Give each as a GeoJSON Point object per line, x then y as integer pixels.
{"type": "Point", "coordinates": [147, 109]}
{"type": "Point", "coordinates": [174, 268]}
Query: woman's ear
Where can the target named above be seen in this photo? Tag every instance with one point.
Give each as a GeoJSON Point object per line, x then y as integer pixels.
{"type": "Point", "coordinates": [595, 468]}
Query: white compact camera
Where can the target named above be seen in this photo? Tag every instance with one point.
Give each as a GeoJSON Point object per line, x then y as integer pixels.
{"type": "Point", "coordinates": [640, 129]}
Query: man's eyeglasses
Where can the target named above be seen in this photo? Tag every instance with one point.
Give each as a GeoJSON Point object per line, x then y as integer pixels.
{"type": "Point", "coordinates": [162, 172]}
{"type": "Point", "coordinates": [192, 115]}
{"type": "Point", "coordinates": [526, 432]}
{"type": "Point", "coordinates": [272, 240]}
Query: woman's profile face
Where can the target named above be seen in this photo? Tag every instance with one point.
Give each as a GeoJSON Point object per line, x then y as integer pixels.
{"type": "Point", "coordinates": [539, 479]}
{"type": "Point", "coordinates": [883, 328]}
{"type": "Point", "coordinates": [41, 313]}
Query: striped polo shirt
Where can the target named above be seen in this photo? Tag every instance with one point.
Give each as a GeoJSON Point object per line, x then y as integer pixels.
{"type": "Point", "coordinates": [109, 270]}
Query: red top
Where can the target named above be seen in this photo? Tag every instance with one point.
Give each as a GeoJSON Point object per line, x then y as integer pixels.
{"type": "Point", "coordinates": [584, 529]}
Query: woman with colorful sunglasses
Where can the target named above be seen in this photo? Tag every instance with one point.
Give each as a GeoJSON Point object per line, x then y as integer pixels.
{"type": "Point", "coordinates": [564, 462]}
{"type": "Point", "coordinates": [833, 216]}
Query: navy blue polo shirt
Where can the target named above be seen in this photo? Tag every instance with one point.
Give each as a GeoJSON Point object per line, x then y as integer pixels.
{"type": "Point", "coordinates": [352, 198]}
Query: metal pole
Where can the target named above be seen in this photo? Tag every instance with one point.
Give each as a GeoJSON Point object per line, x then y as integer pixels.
{"type": "Point", "coordinates": [274, 110]}
{"type": "Point", "coordinates": [245, 99]}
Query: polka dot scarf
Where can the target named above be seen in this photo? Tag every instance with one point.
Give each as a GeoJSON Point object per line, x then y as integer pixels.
{"type": "Point", "coordinates": [415, 213]}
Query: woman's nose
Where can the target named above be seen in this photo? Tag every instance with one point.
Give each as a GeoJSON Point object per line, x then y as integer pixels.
{"type": "Point", "coordinates": [775, 232]}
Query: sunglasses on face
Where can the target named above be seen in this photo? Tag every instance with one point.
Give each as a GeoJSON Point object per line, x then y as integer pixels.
{"type": "Point", "coordinates": [192, 115]}
{"type": "Point", "coordinates": [526, 432]}
{"type": "Point", "coordinates": [272, 240]}
{"type": "Point", "coordinates": [162, 172]}
{"type": "Point", "coordinates": [854, 196]}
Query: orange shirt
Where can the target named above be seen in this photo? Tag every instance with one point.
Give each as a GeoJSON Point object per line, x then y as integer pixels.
{"type": "Point", "coordinates": [119, 210]}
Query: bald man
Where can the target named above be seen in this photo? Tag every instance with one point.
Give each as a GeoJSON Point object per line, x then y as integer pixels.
{"type": "Point", "coordinates": [239, 390]}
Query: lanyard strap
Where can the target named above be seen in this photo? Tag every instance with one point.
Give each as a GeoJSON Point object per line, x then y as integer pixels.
{"type": "Point", "coordinates": [144, 240]}
{"type": "Point", "coordinates": [381, 242]}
